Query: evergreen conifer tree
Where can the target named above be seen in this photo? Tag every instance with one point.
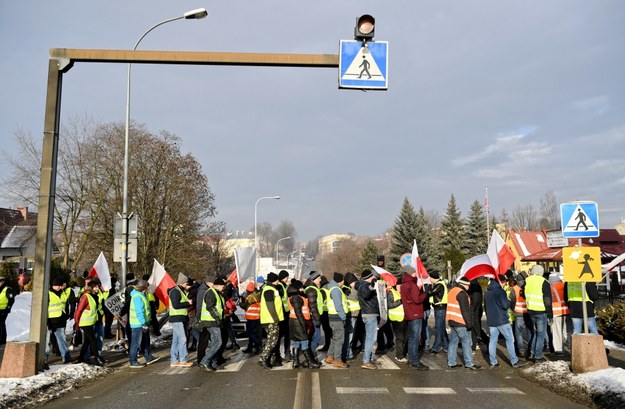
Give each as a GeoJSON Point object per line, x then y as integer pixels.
{"type": "Point", "coordinates": [476, 236]}
{"type": "Point", "coordinates": [451, 239]}
{"type": "Point", "coordinates": [369, 256]}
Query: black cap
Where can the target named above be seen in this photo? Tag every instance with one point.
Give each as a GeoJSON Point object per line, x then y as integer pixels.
{"type": "Point", "coordinates": [283, 274]}
{"type": "Point", "coordinates": [272, 277]}
{"type": "Point", "coordinates": [313, 275]}
{"type": "Point", "coordinates": [338, 277]}
{"type": "Point", "coordinates": [219, 281]}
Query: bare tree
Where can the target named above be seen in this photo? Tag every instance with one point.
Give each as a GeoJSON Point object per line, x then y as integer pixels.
{"type": "Point", "coordinates": [549, 211]}
{"type": "Point", "coordinates": [525, 218]}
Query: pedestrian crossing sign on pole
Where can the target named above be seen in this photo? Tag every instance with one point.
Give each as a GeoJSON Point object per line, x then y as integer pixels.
{"type": "Point", "coordinates": [363, 65]}
{"type": "Point", "coordinates": [579, 219]}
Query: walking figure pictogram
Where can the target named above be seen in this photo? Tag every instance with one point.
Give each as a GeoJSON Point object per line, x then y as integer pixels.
{"type": "Point", "coordinates": [586, 269]}
{"type": "Point", "coordinates": [365, 69]}
{"type": "Point", "coordinates": [582, 219]}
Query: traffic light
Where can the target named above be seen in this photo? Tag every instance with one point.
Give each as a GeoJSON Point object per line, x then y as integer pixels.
{"type": "Point", "coordinates": [381, 261]}
{"type": "Point", "coordinates": [365, 28]}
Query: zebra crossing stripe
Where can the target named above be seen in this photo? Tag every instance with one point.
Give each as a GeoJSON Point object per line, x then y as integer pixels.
{"type": "Point", "coordinates": [430, 391]}
{"type": "Point", "coordinates": [347, 391]}
{"type": "Point", "coordinates": [513, 391]}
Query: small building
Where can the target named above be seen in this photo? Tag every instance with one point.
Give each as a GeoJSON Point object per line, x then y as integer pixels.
{"type": "Point", "coordinates": [524, 244]}
{"type": "Point", "coordinates": [331, 243]}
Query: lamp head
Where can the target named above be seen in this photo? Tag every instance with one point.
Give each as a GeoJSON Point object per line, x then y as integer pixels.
{"type": "Point", "coordinates": [196, 14]}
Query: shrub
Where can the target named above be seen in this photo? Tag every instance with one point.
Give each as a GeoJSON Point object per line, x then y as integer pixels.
{"type": "Point", "coordinates": [611, 321]}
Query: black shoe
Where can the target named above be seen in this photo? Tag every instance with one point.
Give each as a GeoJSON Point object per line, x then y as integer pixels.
{"type": "Point", "coordinates": [474, 367]}
{"type": "Point", "coordinates": [265, 364]}
{"type": "Point", "coordinates": [324, 349]}
{"type": "Point", "coordinates": [495, 366]}
{"type": "Point", "coordinates": [520, 364]}
{"type": "Point", "coordinates": [192, 349]}
{"type": "Point", "coordinates": [454, 366]}
{"type": "Point", "coordinates": [247, 350]}
{"type": "Point", "coordinates": [419, 367]}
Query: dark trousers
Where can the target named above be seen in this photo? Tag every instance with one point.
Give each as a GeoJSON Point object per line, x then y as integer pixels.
{"type": "Point", "coordinates": [327, 331]}
{"type": "Point", "coordinates": [401, 338]}
{"type": "Point", "coordinates": [202, 344]}
{"type": "Point", "coordinates": [254, 334]}
{"type": "Point", "coordinates": [3, 327]}
{"type": "Point", "coordinates": [89, 342]}
{"type": "Point", "coordinates": [283, 332]}
{"type": "Point", "coordinates": [385, 336]}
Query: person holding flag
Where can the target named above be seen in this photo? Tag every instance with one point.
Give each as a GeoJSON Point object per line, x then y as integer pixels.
{"type": "Point", "coordinates": [413, 296]}
{"type": "Point", "coordinates": [179, 305]}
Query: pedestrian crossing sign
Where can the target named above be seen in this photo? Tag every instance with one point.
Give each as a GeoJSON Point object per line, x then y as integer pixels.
{"type": "Point", "coordinates": [581, 264]}
{"type": "Point", "coordinates": [363, 65]}
{"type": "Point", "coordinates": [579, 219]}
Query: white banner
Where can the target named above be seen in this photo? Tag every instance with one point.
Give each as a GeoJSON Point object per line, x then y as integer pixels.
{"type": "Point", "coordinates": [245, 259]}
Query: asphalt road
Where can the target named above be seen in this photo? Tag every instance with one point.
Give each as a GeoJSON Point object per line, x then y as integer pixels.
{"type": "Point", "coordinates": [242, 384]}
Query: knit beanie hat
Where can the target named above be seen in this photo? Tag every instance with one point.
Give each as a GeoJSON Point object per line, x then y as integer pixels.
{"type": "Point", "coordinates": [182, 279]}
{"type": "Point", "coordinates": [283, 274]}
{"type": "Point", "coordinates": [365, 274]}
{"type": "Point", "coordinates": [314, 275]}
{"type": "Point", "coordinates": [338, 277]}
{"type": "Point", "coordinates": [350, 278]}
{"type": "Point", "coordinates": [272, 277]}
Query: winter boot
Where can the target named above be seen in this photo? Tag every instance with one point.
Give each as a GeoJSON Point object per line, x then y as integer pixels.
{"type": "Point", "coordinates": [313, 357]}
{"type": "Point", "coordinates": [310, 359]}
{"type": "Point", "coordinates": [295, 356]}
{"type": "Point", "coordinates": [265, 363]}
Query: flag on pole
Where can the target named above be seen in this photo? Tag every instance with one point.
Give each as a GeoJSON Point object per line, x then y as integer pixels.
{"type": "Point", "coordinates": [245, 261]}
{"type": "Point", "coordinates": [500, 255]}
{"type": "Point", "coordinates": [160, 282]}
{"type": "Point", "coordinates": [417, 264]}
{"type": "Point", "coordinates": [389, 278]}
{"type": "Point", "coordinates": [478, 266]}
{"type": "Point", "coordinates": [234, 278]}
{"type": "Point", "coordinates": [101, 270]}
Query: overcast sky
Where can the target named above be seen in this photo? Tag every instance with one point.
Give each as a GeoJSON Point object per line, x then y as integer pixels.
{"type": "Point", "coordinates": [522, 97]}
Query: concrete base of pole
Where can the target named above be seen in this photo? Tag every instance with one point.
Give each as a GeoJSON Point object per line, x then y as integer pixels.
{"type": "Point", "coordinates": [19, 360]}
{"type": "Point", "coordinates": [588, 353]}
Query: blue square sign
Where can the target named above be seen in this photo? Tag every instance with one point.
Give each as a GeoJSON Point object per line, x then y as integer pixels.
{"type": "Point", "coordinates": [579, 219]}
{"type": "Point", "coordinates": [363, 65]}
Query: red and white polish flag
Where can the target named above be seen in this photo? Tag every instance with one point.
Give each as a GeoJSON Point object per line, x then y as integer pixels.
{"type": "Point", "coordinates": [101, 270]}
{"type": "Point", "coordinates": [160, 281]}
{"type": "Point", "coordinates": [478, 266]}
{"type": "Point", "coordinates": [500, 254]}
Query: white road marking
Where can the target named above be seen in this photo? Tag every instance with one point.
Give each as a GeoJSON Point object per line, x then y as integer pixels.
{"type": "Point", "coordinates": [513, 391]}
{"type": "Point", "coordinates": [430, 391]}
{"type": "Point", "coordinates": [345, 391]}
{"type": "Point", "coordinates": [316, 391]}
{"type": "Point", "coordinates": [299, 392]}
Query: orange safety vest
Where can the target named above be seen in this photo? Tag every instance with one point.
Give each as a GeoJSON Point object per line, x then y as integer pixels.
{"type": "Point", "coordinates": [253, 311]}
{"type": "Point", "coordinates": [520, 306]}
{"type": "Point", "coordinates": [453, 308]}
{"type": "Point", "coordinates": [558, 305]}
{"type": "Point", "coordinates": [305, 309]}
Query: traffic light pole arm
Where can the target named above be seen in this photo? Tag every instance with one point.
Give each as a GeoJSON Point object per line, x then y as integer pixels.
{"type": "Point", "coordinates": [194, 58]}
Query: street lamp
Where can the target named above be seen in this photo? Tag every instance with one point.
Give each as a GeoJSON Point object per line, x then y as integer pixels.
{"type": "Point", "coordinates": [277, 243]}
{"type": "Point", "coordinates": [256, 226]}
{"type": "Point", "coordinates": [287, 258]}
{"type": "Point", "coordinates": [189, 15]}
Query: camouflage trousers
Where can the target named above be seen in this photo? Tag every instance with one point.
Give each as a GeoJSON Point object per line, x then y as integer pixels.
{"type": "Point", "coordinates": [273, 332]}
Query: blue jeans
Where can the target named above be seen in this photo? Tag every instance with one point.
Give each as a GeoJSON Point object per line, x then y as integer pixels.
{"type": "Point", "coordinates": [578, 325]}
{"type": "Point", "coordinates": [540, 330]}
{"type": "Point", "coordinates": [178, 342]}
{"type": "Point", "coordinates": [61, 341]}
{"type": "Point", "coordinates": [316, 336]}
{"type": "Point", "coordinates": [506, 331]}
{"type": "Point", "coordinates": [371, 334]}
{"type": "Point", "coordinates": [135, 343]}
{"type": "Point", "coordinates": [520, 327]}
{"type": "Point", "coordinates": [460, 334]}
{"type": "Point", "coordinates": [440, 336]}
{"type": "Point", "coordinates": [414, 335]}
{"type": "Point", "coordinates": [425, 331]}
{"type": "Point", "coordinates": [300, 344]}
{"type": "Point", "coordinates": [213, 347]}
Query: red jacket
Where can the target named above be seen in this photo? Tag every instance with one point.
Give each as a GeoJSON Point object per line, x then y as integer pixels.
{"type": "Point", "coordinates": [412, 297]}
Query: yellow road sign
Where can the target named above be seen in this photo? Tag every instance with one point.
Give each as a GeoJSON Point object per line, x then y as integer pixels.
{"type": "Point", "coordinates": [581, 264]}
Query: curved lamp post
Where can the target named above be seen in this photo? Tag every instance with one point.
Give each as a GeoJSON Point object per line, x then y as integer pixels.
{"type": "Point", "coordinates": [277, 247]}
{"type": "Point", "coordinates": [189, 15]}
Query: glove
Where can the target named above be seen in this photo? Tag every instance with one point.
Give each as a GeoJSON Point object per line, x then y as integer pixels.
{"type": "Point", "coordinates": [145, 328]}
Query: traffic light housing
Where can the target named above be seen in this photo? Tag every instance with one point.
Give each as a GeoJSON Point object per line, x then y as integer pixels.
{"type": "Point", "coordinates": [365, 28]}
{"type": "Point", "coordinates": [381, 261]}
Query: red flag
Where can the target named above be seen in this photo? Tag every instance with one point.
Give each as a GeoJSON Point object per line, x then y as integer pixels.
{"type": "Point", "coordinates": [389, 278]}
{"type": "Point", "coordinates": [478, 266]}
{"type": "Point", "coordinates": [160, 282]}
{"type": "Point", "coordinates": [101, 270]}
{"type": "Point", "coordinates": [500, 255]}
{"type": "Point", "coordinates": [234, 278]}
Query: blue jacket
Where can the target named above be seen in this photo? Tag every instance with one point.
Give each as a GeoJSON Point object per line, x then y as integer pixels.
{"type": "Point", "coordinates": [140, 309]}
{"type": "Point", "coordinates": [497, 305]}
